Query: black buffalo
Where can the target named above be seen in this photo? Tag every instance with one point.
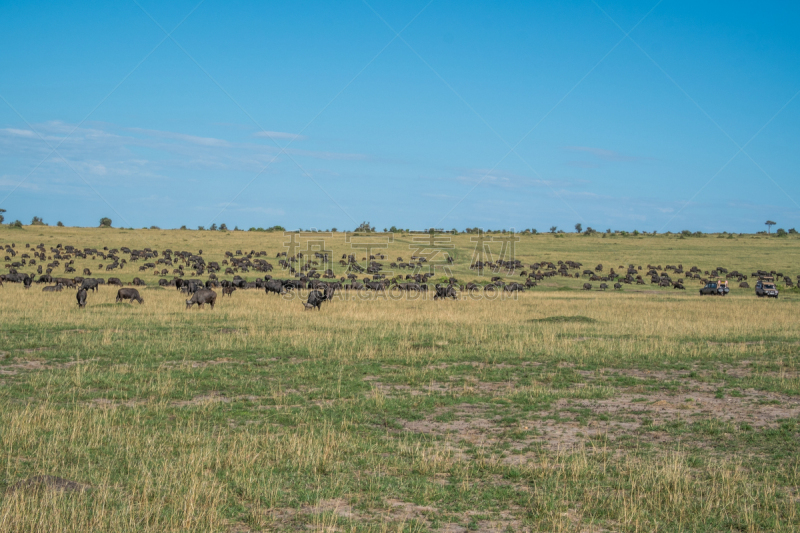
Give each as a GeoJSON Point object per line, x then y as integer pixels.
{"type": "Point", "coordinates": [445, 291]}
{"type": "Point", "coordinates": [274, 285]}
{"type": "Point", "coordinates": [90, 284]}
{"type": "Point", "coordinates": [315, 298]}
{"type": "Point", "coordinates": [202, 297]}
{"type": "Point", "coordinates": [129, 294]}
{"type": "Point", "coordinates": [81, 297]}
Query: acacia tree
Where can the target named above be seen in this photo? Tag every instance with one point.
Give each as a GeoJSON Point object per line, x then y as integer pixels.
{"type": "Point", "coordinates": [578, 227]}
{"type": "Point", "coordinates": [2, 218]}
{"type": "Point", "coordinates": [553, 229]}
{"type": "Point", "coordinates": [769, 225]}
{"type": "Point", "coordinates": [105, 222]}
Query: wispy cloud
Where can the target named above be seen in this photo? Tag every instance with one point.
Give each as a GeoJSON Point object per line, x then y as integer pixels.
{"type": "Point", "coordinates": [191, 139]}
{"type": "Point", "coordinates": [109, 151]}
{"type": "Point", "coordinates": [280, 135]}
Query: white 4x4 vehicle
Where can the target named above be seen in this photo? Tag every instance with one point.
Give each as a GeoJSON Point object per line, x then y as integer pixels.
{"type": "Point", "coordinates": [766, 288]}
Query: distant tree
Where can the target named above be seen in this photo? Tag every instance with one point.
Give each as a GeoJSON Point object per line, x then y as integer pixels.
{"type": "Point", "coordinates": [60, 224]}
{"type": "Point", "coordinates": [578, 227]}
{"type": "Point", "coordinates": [200, 228]}
{"type": "Point", "coordinates": [333, 230]}
{"type": "Point", "coordinates": [781, 233]}
{"type": "Point", "coordinates": [37, 221]}
{"type": "Point", "coordinates": [455, 231]}
{"type": "Point", "coordinates": [393, 229]}
{"type": "Point", "coordinates": [769, 225]}
{"type": "Point", "coordinates": [183, 227]}
{"type": "Point", "coordinates": [792, 231]}
{"type": "Point", "coordinates": [553, 229]}
{"type": "Point", "coordinates": [236, 228]}
{"type": "Point", "coordinates": [2, 218]}
{"type": "Point", "coordinates": [608, 230]}
{"type": "Point", "coordinates": [365, 227]}
{"type": "Point", "coordinates": [16, 224]}
{"type": "Point", "coordinates": [213, 227]}
{"type": "Point", "coordinates": [534, 231]}
{"type": "Point", "coordinates": [223, 227]}
{"type": "Point", "coordinates": [105, 222]}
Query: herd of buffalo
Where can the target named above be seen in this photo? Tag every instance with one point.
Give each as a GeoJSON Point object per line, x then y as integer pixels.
{"type": "Point", "coordinates": [312, 272]}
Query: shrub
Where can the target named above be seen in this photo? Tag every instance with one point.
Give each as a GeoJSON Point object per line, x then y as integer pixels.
{"type": "Point", "coordinates": [105, 222]}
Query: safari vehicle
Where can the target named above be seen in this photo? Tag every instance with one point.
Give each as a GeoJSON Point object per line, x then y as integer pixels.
{"type": "Point", "coordinates": [766, 287]}
{"type": "Point", "coordinates": [716, 288]}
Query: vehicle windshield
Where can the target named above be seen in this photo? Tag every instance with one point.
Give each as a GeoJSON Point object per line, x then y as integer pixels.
{"type": "Point", "coordinates": [769, 286]}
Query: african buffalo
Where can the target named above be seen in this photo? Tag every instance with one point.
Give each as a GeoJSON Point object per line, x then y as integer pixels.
{"type": "Point", "coordinates": [315, 299]}
{"type": "Point", "coordinates": [228, 290]}
{"type": "Point", "coordinates": [81, 297]}
{"type": "Point", "coordinates": [90, 284]}
{"type": "Point", "coordinates": [129, 294]}
{"type": "Point", "coordinates": [202, 297]}
{"type": "Point", "coordinates": [587, 286]}
{"type": "Point", "coordinates": [53, 288]}
{"type": "Point", "coordinates": [274, 285]}
{"type": "Point", "coordinates": [445, 291]}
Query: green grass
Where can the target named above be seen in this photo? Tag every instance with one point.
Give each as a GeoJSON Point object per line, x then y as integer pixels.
{"type": "Point", "coordinates": [559, 410]}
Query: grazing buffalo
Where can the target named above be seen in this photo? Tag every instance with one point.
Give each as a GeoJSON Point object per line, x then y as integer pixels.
{"type": "Point", "coordinates": [53, 288]}
{"type": "Point", "coordinates": [315, 299]}
{"type": "Point", "coordinates": [81, 297]}
{"type": "Point", "coordinates": [587, 286]}
{"type": "Point", "coordinates": [129, 294]}
{"type": "Point", "coordinates": [90, 284]}
{"type": "Point", "coordinates": [228, 290]}
{"type": "Point", "coordinates": [445, 291]}
{"type": "Point", "coordinates": [618, 286]}
{"type": "Point", "coordinates": [603, 286]}
{"type": "Point", "coordinates": [202, 297]}
{"type": "Point", "coordinates": [114, 281]}
{"type": "Point", "coordinates": [274, 285]}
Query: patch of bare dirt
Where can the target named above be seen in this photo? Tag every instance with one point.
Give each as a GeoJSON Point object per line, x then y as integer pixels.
{"type": "Point", "coordinates": [36, 365]}
{"type": "Point", "coordinates": [473, 364]}
{"type": "Point", "coordinates": [469, 425]}
{"type": "Point", "coordinates": [470, 386]}
{"type": "Point", "coordinates": [35, 350]}
{"type": "Point", "coordinates": [38, 483]}
{"type": "Point", "coordinates": [212, 397]}
{"type": "Point", "coordinates": [663, 407]}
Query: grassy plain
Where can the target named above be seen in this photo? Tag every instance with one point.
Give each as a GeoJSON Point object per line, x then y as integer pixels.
{"type": "Point", "coordinates": [563, 410]}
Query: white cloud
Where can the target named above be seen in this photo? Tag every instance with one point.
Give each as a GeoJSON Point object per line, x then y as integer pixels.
{"type": "Point", "coordinates": [20, 133]}
{"type": "Point", "coordinates": [279, 135]}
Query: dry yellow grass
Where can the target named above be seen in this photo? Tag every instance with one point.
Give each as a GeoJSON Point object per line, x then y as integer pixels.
{"type": "Point", "coordinates": [260, 416]}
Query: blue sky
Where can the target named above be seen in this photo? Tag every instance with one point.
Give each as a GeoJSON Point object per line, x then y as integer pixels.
{"type": "Point", "coordinates": [318, 114]}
